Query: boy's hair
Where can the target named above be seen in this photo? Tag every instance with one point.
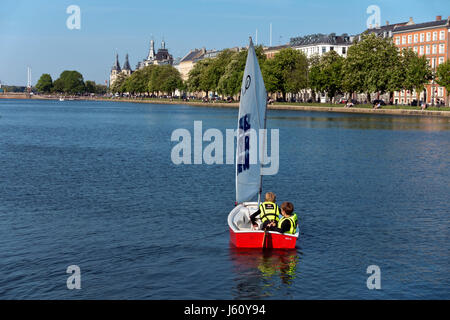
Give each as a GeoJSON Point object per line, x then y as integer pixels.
{"type": "Point", "coordinates": [270, 196]}
{"type": "Point", "coordinates": [287, 207]}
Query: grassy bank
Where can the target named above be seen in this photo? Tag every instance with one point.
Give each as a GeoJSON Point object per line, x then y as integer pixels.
{"type": "Point", "coordinates": [315, 107]}
{"type": "Point", "coordinates": [360, 106]}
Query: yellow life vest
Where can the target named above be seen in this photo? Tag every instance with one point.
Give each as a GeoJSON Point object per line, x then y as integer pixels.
{"type": "Point", "coordinates": [269, 211]}
{"type": "Point", "coordinates": [294, 216]}
{"type": "Point", "coordinates": [293, 227]}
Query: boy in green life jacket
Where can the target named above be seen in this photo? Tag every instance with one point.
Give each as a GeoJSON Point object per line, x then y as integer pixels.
{"type": "Point", "coordinates": [288, 223]}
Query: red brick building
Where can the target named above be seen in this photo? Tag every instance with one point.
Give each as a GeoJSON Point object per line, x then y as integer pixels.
{"type": "Point", "coordinates": [430, 39]}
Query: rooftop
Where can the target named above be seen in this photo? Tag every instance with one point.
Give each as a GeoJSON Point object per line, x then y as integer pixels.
{"type": "Point", "coordinates": [116, 65]}
{"type": "Point", "coordinates": [386, 28]}
{"type": "Point", "coordinates": [425, 25]}
{"type": "Point", "coordinates": [276, 47]}
{"type": "Point", "coordinates": [126, 65]}
{"type": "Point", "coordinates": [193, 55]}
{"type": "Point", "coordinates": [319, 38]}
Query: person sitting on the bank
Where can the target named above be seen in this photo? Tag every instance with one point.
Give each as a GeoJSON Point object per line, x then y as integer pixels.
{"type": "Point", "coordinates": [289, 222]}
{"type": "Point", "coordinates": [268, 211]}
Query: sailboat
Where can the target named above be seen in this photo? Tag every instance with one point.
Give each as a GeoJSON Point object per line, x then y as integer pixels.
{"type": "Point", "coordinates": [252, 115]}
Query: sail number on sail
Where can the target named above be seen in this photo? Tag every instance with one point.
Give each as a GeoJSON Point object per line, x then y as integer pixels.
{"type": "Point", "coordinates": [244, 144]}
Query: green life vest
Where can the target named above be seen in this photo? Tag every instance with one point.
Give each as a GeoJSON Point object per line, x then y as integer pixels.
{"type": "Point", "coordinates": [292, 222]}
{"type": "Point", "coordinates": [269, 211]}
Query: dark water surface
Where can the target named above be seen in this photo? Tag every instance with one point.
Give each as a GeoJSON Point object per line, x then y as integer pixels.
{"type": "Point", "coordinates": [92, 184]}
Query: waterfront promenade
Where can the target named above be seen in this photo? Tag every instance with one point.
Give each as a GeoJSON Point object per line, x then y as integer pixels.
{"type": "Point", "coordinates": [388, 110]}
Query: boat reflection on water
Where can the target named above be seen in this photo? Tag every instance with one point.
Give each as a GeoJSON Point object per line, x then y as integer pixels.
{"type": "Point", "coordinates": [262, 273]}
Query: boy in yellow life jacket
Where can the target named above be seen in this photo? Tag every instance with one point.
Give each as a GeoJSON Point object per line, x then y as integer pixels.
{"type": "Point", "coordinates": [288, 223]}
{"type": "Point", "coordinates": [268, 211]}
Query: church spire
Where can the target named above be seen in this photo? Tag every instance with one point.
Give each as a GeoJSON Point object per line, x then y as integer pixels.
{"type": "Point", "coordinates": [116, 65]}
{"type": "Point", "coordinates": [126, 65]}
{"type": "Point", "coordinates": [151, 53]}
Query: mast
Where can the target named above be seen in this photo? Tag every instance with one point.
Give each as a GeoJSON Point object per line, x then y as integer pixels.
{"type": "Point", "coordinates": [263, 154]}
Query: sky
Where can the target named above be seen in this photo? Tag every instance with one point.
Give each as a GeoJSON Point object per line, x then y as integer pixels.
{"type": "Point", "coordinates": [34, 33]}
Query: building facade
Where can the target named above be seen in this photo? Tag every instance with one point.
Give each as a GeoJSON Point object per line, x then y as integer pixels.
{"type": "Point", "coordinates": [319, 44]}
{"type": "Point", "coordinates": [116, 70]}
{"type": "Point", "coordinates": [386, 31]}
{"type": "Point", "coordinates": [430, 39]}
{"type": "Point", "coordinates": [270, 52]}
{"type": "Point", "coordinates": [160, 57]}
{"type": "Point", "coordinates": [188, 61]}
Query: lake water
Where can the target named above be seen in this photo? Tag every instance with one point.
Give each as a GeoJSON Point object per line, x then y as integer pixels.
{"type": "Point", "coordinates": [92, 184]}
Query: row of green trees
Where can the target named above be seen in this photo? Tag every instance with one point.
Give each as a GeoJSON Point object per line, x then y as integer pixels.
{"type": "Point", "coordinates": [149, 80]}
{"type": "Point", "coordinates": [372, 65]}
{"type": "Point", "coordinates": [69, 82]}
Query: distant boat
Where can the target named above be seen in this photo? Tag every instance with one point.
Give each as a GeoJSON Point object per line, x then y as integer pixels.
{"type": "Point", "coordinates": [252, 115]}
{"type": "Point", "coordinates": [61, 99]}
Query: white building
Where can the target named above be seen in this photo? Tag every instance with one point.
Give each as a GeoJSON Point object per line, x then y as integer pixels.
{"type": "Point", "coordinates": [319, 44]}
{"type": "Point", "coordinates": [161, 57]}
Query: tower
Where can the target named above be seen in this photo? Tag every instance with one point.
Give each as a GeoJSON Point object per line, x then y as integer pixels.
{"type": "Point", "coordinates": [151, 53]}
{"type": "Point", "coordinates": [115, 71]}
{"type": "Point", "coordinates": [126, 67]}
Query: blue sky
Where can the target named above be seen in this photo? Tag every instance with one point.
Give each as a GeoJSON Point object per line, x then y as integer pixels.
{"type": "Point", "coordinates": [34, 33]}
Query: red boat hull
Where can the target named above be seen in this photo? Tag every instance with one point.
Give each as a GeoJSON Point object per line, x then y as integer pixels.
{"type": "Point", "coordinates": [252, 239]}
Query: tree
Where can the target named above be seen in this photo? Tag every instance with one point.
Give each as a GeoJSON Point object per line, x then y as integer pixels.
{"type": "Point", "coordinates": [370, 65]}
{"type": "Point", "coordinates": [222, 74]}
{"type": "Point", "coordinates": [314, 74]}
{"type": "Point", "coordinates": [119, 84]}
{"type": "Point", "coordinates": [326, 74]}
{"type": "Point", "coordinates": [271, 76]}
{"type": "Point", "coordinates": [196, 80]}
{"type": "Point", "coordinates": [215, 70]}
{"type": "Point", "coordinates": [45, 83]}
{"type": "Point", "coordinates": [70, 82]}
{"type": "Point", "coordinates": [417, 71]}
{"type": "Point", "coordinates": [139, 80]}
{"type": "Point", "coordinates": [286, 72]}
{"type": "Point", "coordinates": [231, 80]}
{"type": "Point", "coordinates": [101, 89]}
{"type": "Point", "coordinates": [443, 77]}
{"type": "Point", "coordinates": [167, 78]}
{"type": "Point", "coordinates": [90, 86]}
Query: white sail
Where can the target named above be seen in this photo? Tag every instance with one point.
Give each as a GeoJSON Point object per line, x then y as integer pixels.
{"type": "Point", "coordinates": [252, 114]}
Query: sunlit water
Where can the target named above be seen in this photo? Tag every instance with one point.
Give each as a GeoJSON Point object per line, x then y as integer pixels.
{"type": "Point", "coordinates": [92, 184]}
